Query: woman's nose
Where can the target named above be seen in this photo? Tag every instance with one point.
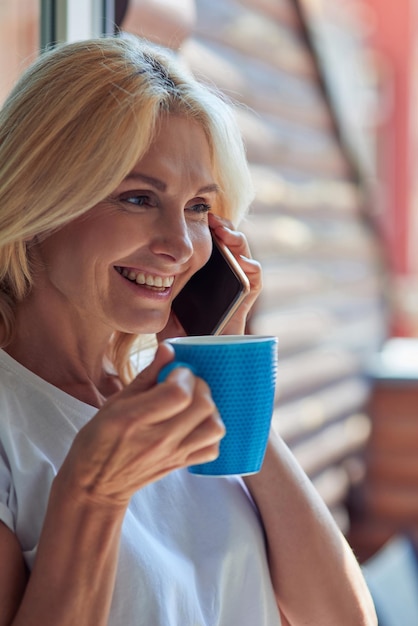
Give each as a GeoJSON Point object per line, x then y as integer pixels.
{"type": "Point", "coordinates": [173, 240]}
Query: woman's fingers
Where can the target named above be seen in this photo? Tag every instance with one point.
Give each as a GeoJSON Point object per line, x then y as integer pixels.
{"type": "Point", "coordinates": [202, 444]}
{"type": "Point", "coordinates": [139, 436]}
{"type": "Point", "coordinates": [181, 394]}
{"type": "Point", "coordinates": [238, 245]}
{"type": "Point", "coordinates": [234, 239]}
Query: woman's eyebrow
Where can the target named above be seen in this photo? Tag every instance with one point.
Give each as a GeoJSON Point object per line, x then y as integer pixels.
{"type": "Point", "coordinates": [212, 188]}
{"type": "Point", "coordinates": [155, 182]}
{"type": "Point", "coordinates": [161, 186]}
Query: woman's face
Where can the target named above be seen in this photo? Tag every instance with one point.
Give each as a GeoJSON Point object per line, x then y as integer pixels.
{"type": "Point", "coordinates": [123, 262]}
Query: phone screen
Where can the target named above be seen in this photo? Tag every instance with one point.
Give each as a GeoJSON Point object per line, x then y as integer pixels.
{"type": "Point", "coordinates": [207, 301]}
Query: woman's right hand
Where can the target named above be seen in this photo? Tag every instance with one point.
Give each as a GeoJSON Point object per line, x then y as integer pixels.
{"type": "Point", "coordinates": [141, 434]}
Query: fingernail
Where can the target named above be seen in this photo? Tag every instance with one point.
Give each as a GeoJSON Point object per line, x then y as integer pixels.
{"type": "Point", "coordinates": [220, 422]}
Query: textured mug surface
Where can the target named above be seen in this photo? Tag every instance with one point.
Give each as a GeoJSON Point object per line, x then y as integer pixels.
{"type": "Point", "coordinates": [241, 372]}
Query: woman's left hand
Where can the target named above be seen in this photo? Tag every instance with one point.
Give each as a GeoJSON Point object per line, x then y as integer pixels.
{"type": "Point", "coordinates": [236, 241]}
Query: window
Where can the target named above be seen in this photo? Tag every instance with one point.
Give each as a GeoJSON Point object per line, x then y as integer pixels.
{"type": "Point", "coordinates": [27, 25]}
{"type": "Point", "coordinates": [19, 39]}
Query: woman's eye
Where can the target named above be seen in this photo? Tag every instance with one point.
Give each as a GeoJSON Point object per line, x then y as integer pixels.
{"type": "Point", "coordinates": [138, 200]}
{"type": "Point", "coordinates": [200, 207]}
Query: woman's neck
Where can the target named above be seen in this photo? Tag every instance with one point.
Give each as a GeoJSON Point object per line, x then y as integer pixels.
{"type": "Point", "coordinates": [68, 354]}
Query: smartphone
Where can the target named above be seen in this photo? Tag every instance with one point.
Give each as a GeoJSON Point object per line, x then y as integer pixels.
{"type": "Point", "coordinates": [212, 295]}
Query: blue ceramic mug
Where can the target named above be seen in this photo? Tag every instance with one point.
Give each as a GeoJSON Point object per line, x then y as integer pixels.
{"type": "Point", "coordinates": [241, 372]}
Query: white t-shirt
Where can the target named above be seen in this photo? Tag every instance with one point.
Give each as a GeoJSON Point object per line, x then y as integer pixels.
{"type": "Point", "coordinates": [192, 549]}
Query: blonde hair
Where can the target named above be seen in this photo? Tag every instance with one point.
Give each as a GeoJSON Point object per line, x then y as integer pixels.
{"type": "Point", "coordinates": [74, 126]}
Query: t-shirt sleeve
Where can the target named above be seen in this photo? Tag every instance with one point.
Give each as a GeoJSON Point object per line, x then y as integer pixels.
{"type": "Point", "coordinates": [6, 513]}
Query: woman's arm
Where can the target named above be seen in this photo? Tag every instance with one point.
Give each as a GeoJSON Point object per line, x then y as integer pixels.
{"type": "Point", "coordinates": [315, 575]}
{"type": "Point", "coordinates": [13, 574]}
{"type": "Point", "coordinates": [140, 435]}
{"type": "Point", "coordinates": [74, 571]}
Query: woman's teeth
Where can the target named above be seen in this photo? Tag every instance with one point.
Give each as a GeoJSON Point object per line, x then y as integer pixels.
{"type": "Point", "coordinates": [146, 279]}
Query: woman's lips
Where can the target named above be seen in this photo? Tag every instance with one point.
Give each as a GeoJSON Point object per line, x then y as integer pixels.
{"type": "Point", "coordinates": [142, 278]}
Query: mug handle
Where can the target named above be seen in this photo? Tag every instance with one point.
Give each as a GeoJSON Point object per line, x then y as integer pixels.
{"type": "Point", "coordinates": [165, 371]}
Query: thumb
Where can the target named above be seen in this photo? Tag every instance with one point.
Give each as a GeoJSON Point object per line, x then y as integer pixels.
{"type": "Point", "coordinates": [148, 377]}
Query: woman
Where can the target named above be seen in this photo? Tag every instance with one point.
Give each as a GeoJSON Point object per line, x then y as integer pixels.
{"type": "Point", "coordinates": [114, 166]}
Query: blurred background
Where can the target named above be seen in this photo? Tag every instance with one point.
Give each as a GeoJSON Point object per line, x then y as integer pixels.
{"type": "Point", "coordinates": [326, 94]}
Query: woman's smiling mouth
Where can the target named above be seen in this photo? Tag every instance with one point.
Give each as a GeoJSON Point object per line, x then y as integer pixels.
{"type": "Point", "coordinates": [149, 280]}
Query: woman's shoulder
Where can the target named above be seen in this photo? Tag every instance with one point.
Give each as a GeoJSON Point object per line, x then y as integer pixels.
{"type": "Point", "coordinates": [33, 406]}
